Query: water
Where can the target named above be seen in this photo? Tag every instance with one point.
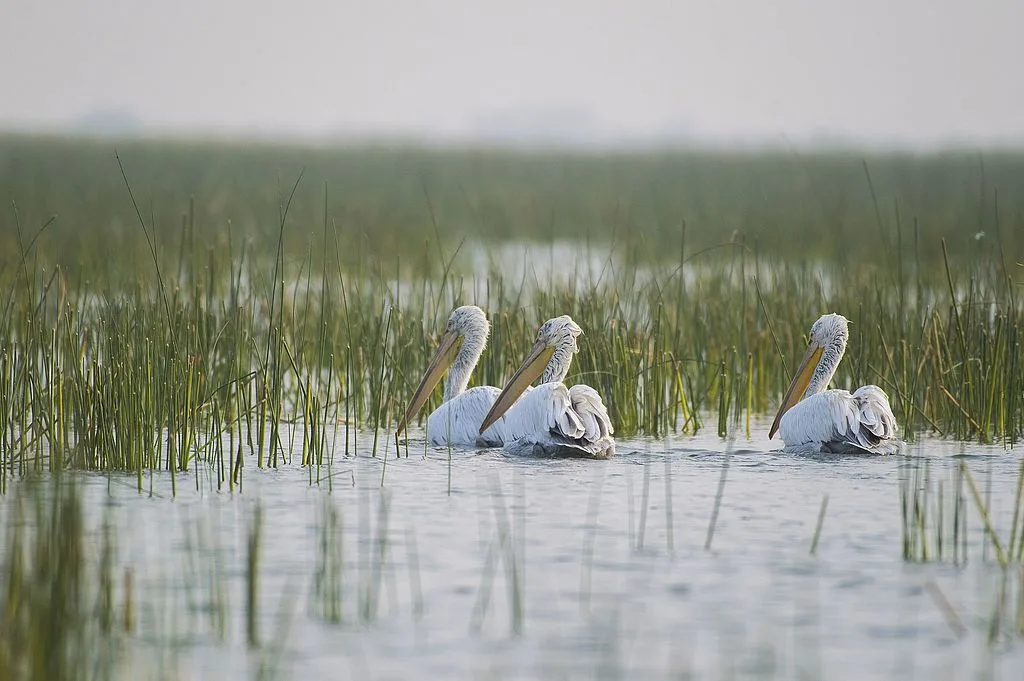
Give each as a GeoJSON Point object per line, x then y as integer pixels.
{"type": "Point", "coordinates": [606, 589]}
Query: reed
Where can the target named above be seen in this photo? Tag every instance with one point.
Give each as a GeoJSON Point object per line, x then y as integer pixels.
{"type": "Point", "coordinates": [233, 314]}
{"type": "Point", "coordinates": [940, 509]}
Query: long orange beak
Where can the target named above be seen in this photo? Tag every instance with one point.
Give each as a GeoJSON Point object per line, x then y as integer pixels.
{"type": "Point", "coordinates": [532, 368]}
{"type": "Point", "coordinates": [443, 358]}
{"type": "Point", "coordinates": [798, 387]}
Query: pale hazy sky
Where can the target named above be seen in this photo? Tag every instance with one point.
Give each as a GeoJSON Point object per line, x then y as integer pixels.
{"type": "Point", "coordinates": [906, 69]}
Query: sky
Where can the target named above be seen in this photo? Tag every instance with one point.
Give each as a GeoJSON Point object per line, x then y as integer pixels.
{"type": "Point", "coordinates": [901, 70]}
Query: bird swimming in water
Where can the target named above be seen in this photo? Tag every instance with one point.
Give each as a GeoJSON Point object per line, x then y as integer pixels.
{"type": "Point", "coordinates": [812, 419]}
{"type": "Point", "coordinates": [552, 419]}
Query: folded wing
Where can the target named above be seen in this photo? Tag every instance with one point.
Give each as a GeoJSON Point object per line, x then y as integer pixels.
{"type": "Point", "coordinates": [837, 421]}
{"type": "Point", "coordinates": [553, 420]}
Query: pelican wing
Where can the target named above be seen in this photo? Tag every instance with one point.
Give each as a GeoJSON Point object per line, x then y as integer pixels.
{"type": "Point", "coordinates": [457, 421]}
{"type": "Point", "coordinates": [836, 421]}
{"type": "Point", "coordinates": [541, 410]}
{"type": "Point", "coordinates": [587, 403]}
{"type": "Point", "coordinates": [553, 420]}
{"type": "Point", "coordinates": [875, 423]}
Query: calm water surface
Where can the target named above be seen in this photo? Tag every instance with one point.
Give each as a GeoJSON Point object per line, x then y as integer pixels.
{"type": "Point", "coordinates": [484, 566]}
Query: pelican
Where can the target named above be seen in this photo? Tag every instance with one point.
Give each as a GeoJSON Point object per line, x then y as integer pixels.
{"type": "Point", "coordinates": [457, 420]}
{"type": "Point", "coordinates": [552, 419]}
{"type": "Point", "coordinates": [812, 419]}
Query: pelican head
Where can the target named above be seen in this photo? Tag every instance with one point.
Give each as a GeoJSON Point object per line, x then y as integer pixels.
{"type": "Point", "coordinates": [464, 338]}
{"type": "Point", "coordinates": [549, 360]}
{"type": "Point", "coordinates": [825, 349]}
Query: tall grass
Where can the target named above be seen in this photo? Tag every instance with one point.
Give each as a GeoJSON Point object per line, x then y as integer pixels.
{"type": "Point", "coordinates": [238, 300]}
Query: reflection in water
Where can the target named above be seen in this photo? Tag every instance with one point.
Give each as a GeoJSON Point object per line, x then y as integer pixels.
{"type": "Point", "coordinates": [571, 569]}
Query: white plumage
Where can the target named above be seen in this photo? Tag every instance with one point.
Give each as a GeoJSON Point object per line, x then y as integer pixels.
{"type": "Point", "coordinates": [813, 419]}
{"type": "Point", "coordinates": [552, 419]}
{"type": "Point", "coordinates": [840, 422]}
{"type": "Point", "coordinates": [457, 421]}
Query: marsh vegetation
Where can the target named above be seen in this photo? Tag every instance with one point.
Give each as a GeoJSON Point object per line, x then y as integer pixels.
{"type": "Point", "coordinates": [180, 316]}
{"type": "Point", "coordinates": [176, 303]}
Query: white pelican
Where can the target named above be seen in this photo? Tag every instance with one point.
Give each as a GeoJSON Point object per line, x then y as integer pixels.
{"type": "Point", "coordinates": [812, 419]}
{"type": "Point", "coordinates": [457, 420]}
{"type": "Point", "coordinates": [551, 419]}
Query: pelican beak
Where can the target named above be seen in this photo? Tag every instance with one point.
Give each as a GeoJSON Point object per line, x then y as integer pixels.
{"type": "Point", "coordinates": [443, 358]}
{"type": "Point", "coordinates": [796, 390]}
{"type": "Point", "coordinates": [531, 369]}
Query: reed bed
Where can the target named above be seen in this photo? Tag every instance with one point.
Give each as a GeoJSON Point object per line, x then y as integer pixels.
{"type": "Point", "coordinates": [230, 306]}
